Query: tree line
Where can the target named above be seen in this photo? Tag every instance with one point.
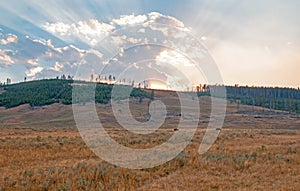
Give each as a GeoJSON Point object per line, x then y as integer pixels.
{"type": "Point", "coordinates": [274, 98]}
{"type": "Point", "coordinates": [49, 91]}
{"type": "Point", "coordinates": [59, 90]}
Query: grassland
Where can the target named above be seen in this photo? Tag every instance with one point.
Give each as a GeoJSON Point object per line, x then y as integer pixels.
{"type": "Point", "coordinates": [41, 149]}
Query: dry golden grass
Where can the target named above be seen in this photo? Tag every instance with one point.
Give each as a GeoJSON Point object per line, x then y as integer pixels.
{"type": "Point", "coordinates": [41, 149]}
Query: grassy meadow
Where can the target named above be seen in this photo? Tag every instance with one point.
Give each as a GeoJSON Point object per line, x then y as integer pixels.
{"type": "Point", "coordinates": [258, 149]}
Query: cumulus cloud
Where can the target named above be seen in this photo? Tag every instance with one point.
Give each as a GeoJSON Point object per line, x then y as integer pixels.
{"type": "Point", "coordinates": [156, 17]}
{"type": "Point", "coordinates": [58, 28]}
{"type": "Point", "coordinates": [5, 59]}
{"type": "Point", "coordinates": [34, 71]}
{"type": "Point", "coordinates": [93, 27]}
{"type": "Point", "coordinates": [173, 57]}
{"type": "Point", "coordinates": [29, 48]}
{"type": "Point", "coordinates": [93, 31]}
{"type": "Point", "coordinates": [58, 66]}
{"type": "Point", "coordinates": [10, 38]}
{"type": "Point", "coordinates": [62, 60]}
{"type": "Point", "coordinates": [38, 56]}
{"type": "Point", "coordinates": [169, 26]}
{"type": "Point", "coordinates": [181, 65]}
{"type": "Point", "coordinates": [89, 31]}
{"type": "Point", "coordinates": [33, 62]}
{"type": "Point", "coordinates": [66, 54]}
{"type": "Point", "coordinates": [130, 20]}
{"type": "Point", "coordinates": [42, 58]}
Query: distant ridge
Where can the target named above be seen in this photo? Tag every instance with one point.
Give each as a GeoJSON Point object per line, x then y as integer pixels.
{"type": "Point", "coordinates": [49, 91]}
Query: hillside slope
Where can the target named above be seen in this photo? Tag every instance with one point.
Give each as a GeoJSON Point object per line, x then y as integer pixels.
{"type": "Point", "coordinates": [46, 92]}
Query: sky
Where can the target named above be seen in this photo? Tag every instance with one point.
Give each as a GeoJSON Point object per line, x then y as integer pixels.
{"type": "Point", "coordinates": [177, 42]}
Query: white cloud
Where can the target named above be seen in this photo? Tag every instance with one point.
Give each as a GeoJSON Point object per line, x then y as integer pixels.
{"type": "Point", "coordinates": [159, 18]}
{"type": "Point", "coordinates": [168, 25]}
{"type": "Point", "coordinates": [174, 58]}
{"type": "Point", "coordinates": [70, 54]}
{"type": "Point", "coordinates": [93, 31]}
{"type": "Point", "coordinates": [10, 38]}
{"type": "Point", "coordinates": [42, 58]}
{"type": "Point", "coordinates": [33, 62]}
{"type": "Point", "coordinates": [118, 40]}
{"type": "Point", "coordinates": [93, 27]}
{"type": "Point", "coordinates": [34, 71]}
{"type": "Point", "coordinates": [90, 31]}
{"type": "Point", "coordinates": [130, 20]}
{"type": "Point", "coordinates": [96, 53]}
{"type": "Point", "coordinates": [58, 28]}
{"type": "Point", "coordinates": [5, 59]}
{"type": "Point", "coordinates": [114, 60]}
{"type": "Point", "coordinates": [58, 66]}
{"type": "Point", "coordinates": [174, 63]}
{"type": "Point", "coordinates": [155, 15]}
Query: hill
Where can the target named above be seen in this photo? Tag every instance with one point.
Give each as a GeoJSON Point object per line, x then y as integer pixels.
{"type": "Point", "coordinates": [46, 92]}
{"type": "Point", "coordinates": [273, 98]}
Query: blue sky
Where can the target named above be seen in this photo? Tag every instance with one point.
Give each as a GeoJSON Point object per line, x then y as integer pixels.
{"type": "Point", "coordinates": [252, 42]}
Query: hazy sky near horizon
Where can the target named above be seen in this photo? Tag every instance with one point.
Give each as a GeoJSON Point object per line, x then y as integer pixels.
{"type": "Point", "coordinates": [253, 42]}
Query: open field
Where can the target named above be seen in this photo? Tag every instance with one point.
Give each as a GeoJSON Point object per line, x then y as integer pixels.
{"type": "Point", "coordinates": [41, 149]}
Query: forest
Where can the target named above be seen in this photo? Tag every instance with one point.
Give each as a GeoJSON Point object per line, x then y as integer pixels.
{"type": "Point", "coordinates": [49, 91]}
{"type": "Point", "coordinates": [273, 98]}
{"type": "Point", "coordinates": [46, 92]}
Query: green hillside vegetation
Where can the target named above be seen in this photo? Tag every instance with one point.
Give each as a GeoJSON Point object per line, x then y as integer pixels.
{"type": "Point", "coordinates": [273, 98]}
{"type": "Point", "coordinates": [46, 92]}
